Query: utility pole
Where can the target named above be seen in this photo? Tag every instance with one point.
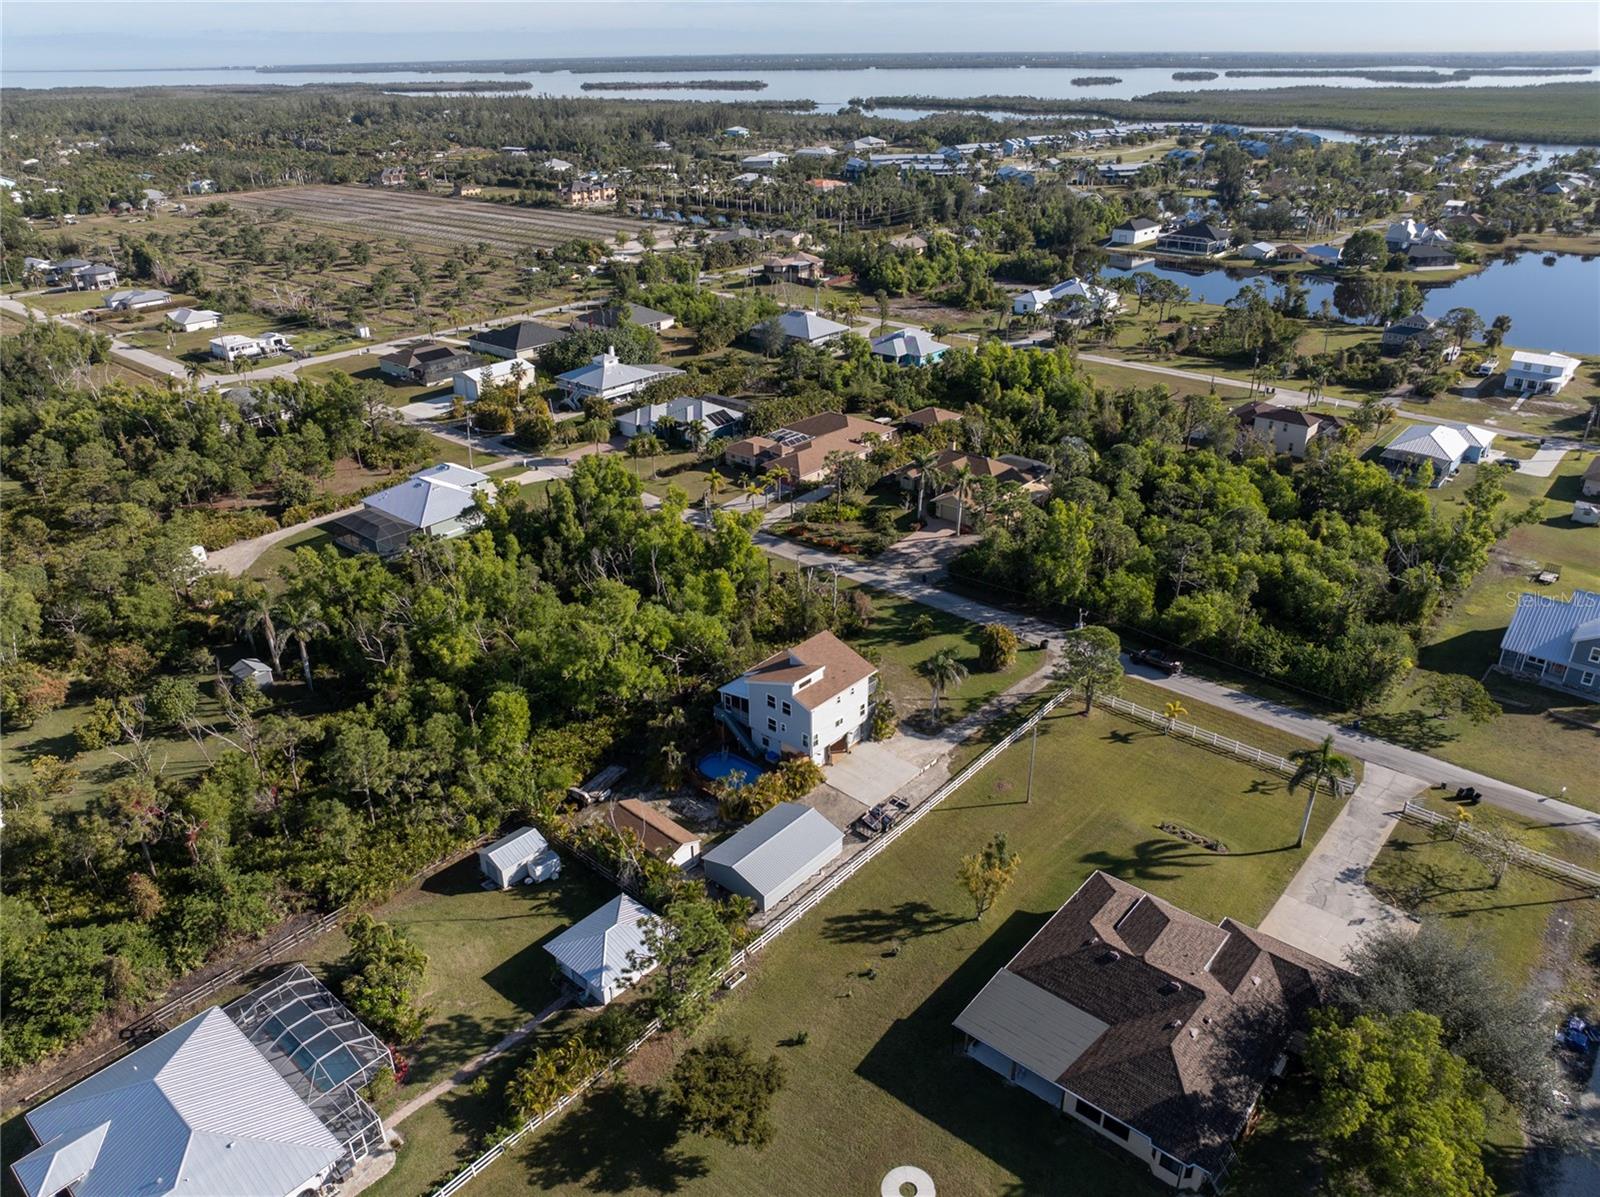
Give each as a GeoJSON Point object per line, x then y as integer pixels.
{"type": "Point", "coordinates": [469, 442]}
{"type": "Point", "coordinates": [1033, 752]}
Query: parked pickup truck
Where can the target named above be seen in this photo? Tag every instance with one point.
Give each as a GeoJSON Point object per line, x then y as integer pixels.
{"type": "Point", "coordinates": [1156, 659]}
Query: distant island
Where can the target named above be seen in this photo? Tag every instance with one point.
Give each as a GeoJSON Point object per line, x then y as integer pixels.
{"type": "Point", "coordinates": [1095, 80]}
{"type": "Point", "coordinates": [1383, 76]}
{"type": "Point", "coordinates": [1039, 60]}
{"type": "Point", "coordinates": [1193, 76]}
{"type": "Point", "coordinates": [434, 85]}
{"type": "Point", "coordinates": [676, 85]}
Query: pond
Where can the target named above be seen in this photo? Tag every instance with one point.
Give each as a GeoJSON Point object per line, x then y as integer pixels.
{"type": "Point", "coordinates": [1552, 307]}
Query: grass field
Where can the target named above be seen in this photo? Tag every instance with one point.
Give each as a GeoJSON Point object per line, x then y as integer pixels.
{"type": "Point", "coordinates": [877, 973]}
{"type": "Point", "coordinates": [487, 973]}
{"type": "Point", "coordinates": [1437, 880]}
{"type": "Point", "coordinates": [1529, 744]}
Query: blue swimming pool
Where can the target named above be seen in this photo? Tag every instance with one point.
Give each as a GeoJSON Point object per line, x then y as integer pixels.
{"type": "Point", "coordinates": [722, 765]}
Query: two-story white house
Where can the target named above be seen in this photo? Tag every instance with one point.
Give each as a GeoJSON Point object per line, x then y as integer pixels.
{"type": "Point", "coordinates": [804, 701]}
{"type": "Point", "coordinates": [1540, 373]}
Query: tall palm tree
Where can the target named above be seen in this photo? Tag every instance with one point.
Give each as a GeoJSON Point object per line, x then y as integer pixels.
{"type": "Point", "coordinates": [962, 477]}
{"type": "Point", "coordinates": [714, 482]}
{"type": "Point", "coordinates": [941, 671]}
{"type": "Point", "coordinates": [302, 619]}
{"type": "Point", "coordinates": [1314, 768]}
{"type": "Point", "coordinates": [254, 606]}
{"type": "Point", "coordinates": [923, 463]}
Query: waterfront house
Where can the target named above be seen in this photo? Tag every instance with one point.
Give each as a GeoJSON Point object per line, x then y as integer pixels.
{"type": "Point", "coordinates": [1141, 230]}
{"type": "Point", "coordinates": [1147, 1025]}
{"type": "Point", "coordinates": [1555, 642]}
{"type": "Point", "coordinates": [1427, 255]}
{"type": "Point", "coordinates": [1417, 329]}
{"type": "Point", "coordinates": [1259, 251]}
{"type": "Point", "coordinates": [1540, 373]}
{"type": "Point", "coordinates": [1201, 237]}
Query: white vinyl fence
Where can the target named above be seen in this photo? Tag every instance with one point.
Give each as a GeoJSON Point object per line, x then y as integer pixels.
{"type": "Point", "coordinates": [1549, 866]}
{"type": "Point", "coordinates": [1199, 735]}
{"type": "Point", "coordinates": [824, 886]}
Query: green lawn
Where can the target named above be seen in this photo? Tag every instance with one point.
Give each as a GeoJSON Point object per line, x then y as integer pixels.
{"type": "Point", "coordinates": [487, 973]}
{"type": "Point", "coordinates": [364, 368]}
{"type": "Point", "coordinates": [178, 756]}
{"type": "Point", "coordinates": [898, 649]}
{"type": "Point", "coordinates": [688, 471]}
{"type": "Point", "coordinates": [1435, 879]}
{"type": "Point", "coordinates": [281, 554]}
{"type": "Point", "coordinates": [876, 974]}
{"type": "Point", "coordinates": [1530, 744]}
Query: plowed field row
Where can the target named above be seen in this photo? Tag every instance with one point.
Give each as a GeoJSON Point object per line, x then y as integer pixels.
{"type": "Point", "coordinates": [409, 217]}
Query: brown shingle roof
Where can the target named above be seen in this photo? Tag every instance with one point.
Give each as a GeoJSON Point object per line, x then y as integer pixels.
{"type": "Point", "coordinates": [842, 667]}
{"type": "Point", "coordinates": [656, 831]}
{"type": "Point", "coordinates": [1196, 1013]}
{"type": "Point", "coordinates": [928, 417]}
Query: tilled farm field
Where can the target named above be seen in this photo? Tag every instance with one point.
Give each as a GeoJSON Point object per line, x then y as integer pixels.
{"type": "Point", "coordinates": [414, 216]}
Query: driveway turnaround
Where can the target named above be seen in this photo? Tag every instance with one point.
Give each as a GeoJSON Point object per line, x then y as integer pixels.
{"type": "Point", "coordinates": [871, 772]}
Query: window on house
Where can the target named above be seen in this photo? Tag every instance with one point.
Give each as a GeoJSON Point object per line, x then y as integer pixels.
{"type": "Point", "coordinates": [1117, 1130]}
{"type": "Point", "coordinates": [1086, 1111]}
{"type": "Point", "coordinates": [772, 725]}
{"type": "Point", "coordinates": [771, 701]}
{"type": "Point", "coordinates": [787, 709]}
{"type": "Point", "coordinates": [805, 741]}
{"type": "Point", "coordinates": [1168, 1164]}
{"type": "Point", "coordinates": [1586, 680]}
{"type": "Point", "coordinates": [1594, 655]}
{"type": "Point", "coordinates": [766, 743]}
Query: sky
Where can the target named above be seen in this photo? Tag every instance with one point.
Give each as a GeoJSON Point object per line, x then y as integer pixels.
{"type": "Point", "coordinates": [65, 34]}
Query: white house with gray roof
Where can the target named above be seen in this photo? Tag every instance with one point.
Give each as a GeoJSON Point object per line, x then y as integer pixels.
{"type": "Point", "coordinates": [603, 953]}
{"type": "Point", "coordinates": [809, 328]}
{"type": "Point", "coordinates": [1540, 373]}
{"type": "Point", "coordinates": [608, 378]}
{"type": "Point", "coordinates": [774, 855]}
{"type": "Point", "coordinates": [1443, 446]}
{"type": "Point", "coordinates": [260, 1098]}
{"type": "Point", "coordinates": [1555, 642]}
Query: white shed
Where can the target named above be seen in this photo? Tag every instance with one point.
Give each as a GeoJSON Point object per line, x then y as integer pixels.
{"type": "Point", "coordinates": [248, 669]}
{"type": "Point", "coordinates": [523, 855]}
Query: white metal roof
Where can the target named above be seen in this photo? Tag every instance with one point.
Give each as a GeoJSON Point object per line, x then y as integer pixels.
{"type": "Point", "coordinates": [598, 946]}
{"type": "Point", "coordinates": [1558, 361]}
{"type": "Point", "coordinates": [198, 1111]}
{"type": "Point", "coordinates": [184, 315]}
{"type": "Point", "coordinates": [431, 496]}
{"type": "Point", "coordinates": [606, 373]}
{"type": "Point", "coordinates": [1549, 627]}
{"type": "Point", "coordinates": [511, 850]}
{"type": "Point", "coordinates": [915, 342]}
{"type": "Point", "coordinates": [808, 326]}
{"type": "Point", "coordinates": [769, 850]}
{"type": "Point", "coordinates": [1440, 442]}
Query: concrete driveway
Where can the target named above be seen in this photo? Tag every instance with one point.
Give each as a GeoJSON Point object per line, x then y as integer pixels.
{"type": "Point", "coordinates": [427, 409]}
{"type": "Point", "coordinates": [869, 773]}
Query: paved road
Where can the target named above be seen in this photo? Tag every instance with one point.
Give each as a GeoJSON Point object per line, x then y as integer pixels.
{"type": "Point", "coordinates": [884, 574]}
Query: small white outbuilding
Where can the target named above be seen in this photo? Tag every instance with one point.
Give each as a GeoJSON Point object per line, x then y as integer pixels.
{"type": "Point", "coordinates": [524, 855]}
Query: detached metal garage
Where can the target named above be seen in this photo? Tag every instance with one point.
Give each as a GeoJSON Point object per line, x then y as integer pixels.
{"type": "Point", "coordinates": [771, 857]}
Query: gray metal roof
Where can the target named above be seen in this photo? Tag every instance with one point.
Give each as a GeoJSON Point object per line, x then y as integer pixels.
{"type": "Point", "coordinates": [599, 946]}
{"type": "Point", "coordinates": [198, 1111]}
{"type": "Point", "coordinates": [769, 850]}
{"type": "Point", "coordinates": [1549, 627]}
{"type": "Point", "coordinates": [1029, 1025]}
{"type": "Point", "coordinates": [511, 850]}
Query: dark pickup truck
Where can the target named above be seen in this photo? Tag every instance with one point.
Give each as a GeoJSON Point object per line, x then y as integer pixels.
{"type": "Point", "coordinates": [1156, 659]}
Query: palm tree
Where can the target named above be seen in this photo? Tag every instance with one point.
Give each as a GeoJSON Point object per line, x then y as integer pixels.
{"type": "Point", "coordinates": [301, 621]}
{"type": "Point", "coordinates": [714, 482]}
{"type": "Point", "coordinates": [923, 463]}
{"type": "Point", "coordinates": [941, 671]}
{"type": "Point", "coordinates": [962, 476]}
{"type": "Point", "coordinates": [779, 475]}
{"type": "Point", "coordinates": [255, 611]}
{"type": "Point", "coordinates": [1314, 768]}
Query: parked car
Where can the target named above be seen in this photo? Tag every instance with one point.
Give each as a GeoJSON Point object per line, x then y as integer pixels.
{"type": "Point", "coordinates": [1156, 659]}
